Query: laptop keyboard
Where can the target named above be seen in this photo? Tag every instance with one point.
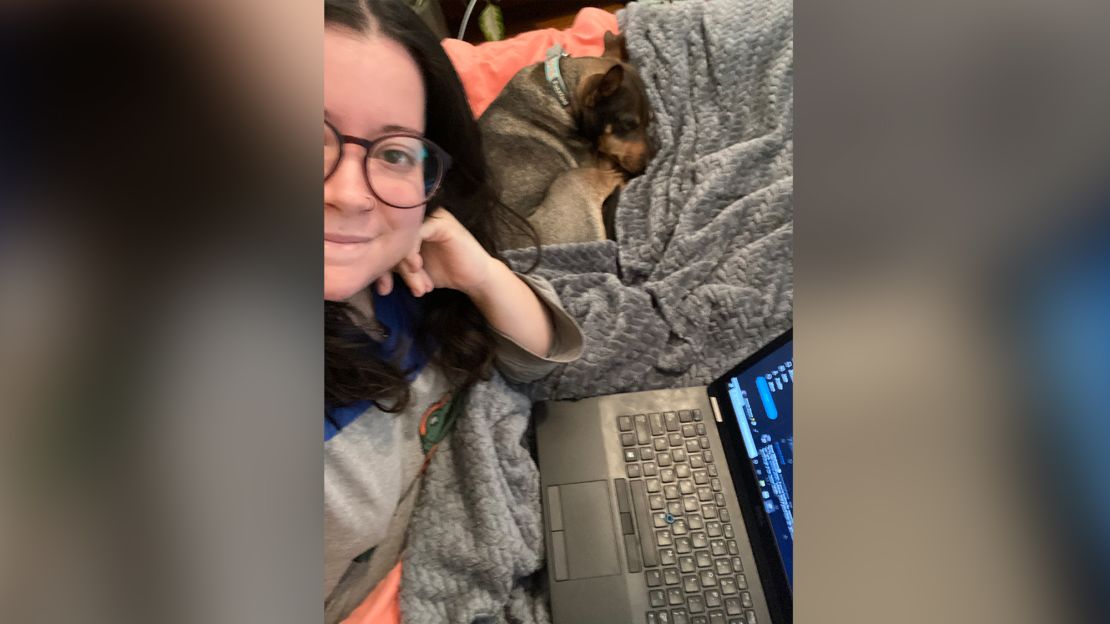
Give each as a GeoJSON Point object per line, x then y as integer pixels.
{"type": "Point", "coordinates": [683, 539]}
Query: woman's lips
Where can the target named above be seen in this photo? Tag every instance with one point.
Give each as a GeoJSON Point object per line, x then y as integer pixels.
{"type": "Point", "coordinates": [345, 239]}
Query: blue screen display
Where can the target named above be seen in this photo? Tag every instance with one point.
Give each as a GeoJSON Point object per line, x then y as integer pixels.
{"type": "Point", "coordinates": [763, 400]}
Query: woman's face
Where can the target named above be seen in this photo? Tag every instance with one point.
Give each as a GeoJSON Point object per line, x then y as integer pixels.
{"type": "Point", "coordinates": [371, 86]}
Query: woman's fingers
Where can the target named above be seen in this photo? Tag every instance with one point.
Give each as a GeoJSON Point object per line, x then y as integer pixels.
{"type": "Point", "coordinates": [385, 284]}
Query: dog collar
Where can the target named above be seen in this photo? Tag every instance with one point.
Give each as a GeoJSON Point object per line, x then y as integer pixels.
{"type": "Point", "coordinates": [554, 76]}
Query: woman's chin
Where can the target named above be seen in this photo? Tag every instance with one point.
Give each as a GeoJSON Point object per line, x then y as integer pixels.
{"type": "Point", "coordinates": [342, 290]}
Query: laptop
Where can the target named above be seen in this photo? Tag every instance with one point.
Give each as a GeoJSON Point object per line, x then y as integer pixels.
{"type": "Point", "coordinates": [673, 506]}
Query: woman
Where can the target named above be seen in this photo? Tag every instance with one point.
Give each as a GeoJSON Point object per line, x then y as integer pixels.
{"type": "Point", "coordinates": [418, 304]}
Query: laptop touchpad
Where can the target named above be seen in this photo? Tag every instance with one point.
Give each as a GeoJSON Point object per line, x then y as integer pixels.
{"type": "Point", "coordinates": [586, 545]}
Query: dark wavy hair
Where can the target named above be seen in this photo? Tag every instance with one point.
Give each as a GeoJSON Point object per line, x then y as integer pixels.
{"type": "Point", "coordinates": [452, 331]}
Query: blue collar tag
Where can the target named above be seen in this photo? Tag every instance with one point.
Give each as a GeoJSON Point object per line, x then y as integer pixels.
{"type": "Point", "coordinates": [554, 76]}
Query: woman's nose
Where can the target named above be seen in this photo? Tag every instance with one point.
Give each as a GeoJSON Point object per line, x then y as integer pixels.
{"type": "Point", "coordinates": [347, 188]}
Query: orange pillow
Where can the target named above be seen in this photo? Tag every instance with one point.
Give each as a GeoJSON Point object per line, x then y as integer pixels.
{"type": "Point", "coordinates": [383, 605]}
{"type": "Point", "coordinates": [486, 68]}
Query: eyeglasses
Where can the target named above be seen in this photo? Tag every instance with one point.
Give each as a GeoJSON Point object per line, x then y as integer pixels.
{"type": "Point", "coordinates": [402, 170]}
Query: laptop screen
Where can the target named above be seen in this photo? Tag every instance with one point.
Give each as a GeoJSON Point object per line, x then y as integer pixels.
{"type": "Point", "coordinates": [762, 400]}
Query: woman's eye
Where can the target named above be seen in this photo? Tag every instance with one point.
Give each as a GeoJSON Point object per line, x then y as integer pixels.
{"type": "Point", "coordinates": [399, 157]}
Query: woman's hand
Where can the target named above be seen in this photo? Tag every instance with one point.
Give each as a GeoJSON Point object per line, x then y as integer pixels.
{"type": "Point", "coordinates": [446, 256]}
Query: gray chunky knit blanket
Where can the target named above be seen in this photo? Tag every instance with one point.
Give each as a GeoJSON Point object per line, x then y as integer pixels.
{"type": "Point", "coordinates": [701, 277]}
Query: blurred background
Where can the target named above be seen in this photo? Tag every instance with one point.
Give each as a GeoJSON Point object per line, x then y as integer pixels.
{"type": "Point", "coordinates": [159, 320]}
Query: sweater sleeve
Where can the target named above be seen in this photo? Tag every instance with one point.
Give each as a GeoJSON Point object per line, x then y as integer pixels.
{"type": "Point", "coordinates": [520, 364]}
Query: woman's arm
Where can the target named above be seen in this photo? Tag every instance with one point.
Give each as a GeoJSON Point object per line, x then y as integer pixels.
{"type": "Point", "coordinates": [513, 308]}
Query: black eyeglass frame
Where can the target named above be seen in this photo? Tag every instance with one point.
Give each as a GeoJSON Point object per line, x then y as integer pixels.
{"type": "Point", "coordinates": [368, 145]}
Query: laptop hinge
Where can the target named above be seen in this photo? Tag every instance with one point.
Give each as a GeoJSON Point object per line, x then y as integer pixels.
{"type": "Point", "coordinates": [716, 410]}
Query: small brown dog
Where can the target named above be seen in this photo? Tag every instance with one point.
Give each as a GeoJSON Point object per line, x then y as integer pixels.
{"type": "Point", "coordinates": [562, 137]}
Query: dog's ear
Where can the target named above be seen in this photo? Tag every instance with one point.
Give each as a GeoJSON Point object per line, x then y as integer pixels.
{"type": "Point", "coordinates": [600, 85]}
{"type": "Point", "coordinates": [610, 81]}
{"type": "Point", "coordinates": [615, 48]}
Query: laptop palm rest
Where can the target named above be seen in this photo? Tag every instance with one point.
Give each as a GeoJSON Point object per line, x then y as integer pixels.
{"type": "Point", "coordinates": [582, 540]}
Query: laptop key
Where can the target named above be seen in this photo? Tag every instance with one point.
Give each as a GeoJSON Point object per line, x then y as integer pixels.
{"type": "Point", "coordinates": [633, 470]}
{"type": "Point", "coordinates": [709, 511]}
{"type": "Point", "coordinates": [732, 548]}
{"type": "Point", "coordinates": [704, 443]}
{"type": "Point", "coordinates": [708, 579]}
{"type": "Point", "coordinates": [670, 576]}
{"type": "Point", "coordinates": [630, 455]}
{"type": "Point", "coordinates": [667, 556]}
{"type": "Point", "coordinates": [717, 547]}
{"type": "Point", "coordinates": [716, 617]}
{"type": "Point", "coordinates": [624, 423]}
{"type": "Point", "coordinates": [713, 529]}
{"type": "Point", "coordinates": [679, 527]}
{"type": "Point", "coordinates": [674, 508]}
{"type": "Point", "coordinates": [711, 467]}
{"type": "Point", "coordinates": [657, 598]}
{"type": "Point", "coordinates": [653, 578]}
{"type": "Point", "coordinates": [700, 477]}
{"type": "Point", "coordinates": [696, 460]}
{"type": "Point", "coordinates": [690, 503]}
{"type": "Point", "coordinates": [724, 515]}
{"type": "Point", "coordinates": [728, 585]}
{"type": "Point", "coordinates": [664, 459]}
{"type": "Point", "coordinates": [628, 439]}
{"type": "Point", "coordinates": [723, 568]}
{"type": "Point", "coordinates": [685, 486]}
{"type": "Point", "coordinates": [737, 566]}
{"type": "Point", "coordinates": [689, 431]}
{"type": "Point", "coordinates": [679, 455]}
{"type": "Point", "coordinates": [663, 538]}
{"type": "Point", "coordinates": [670, 491]}
{"type": "Point", "coordinates": [695, 521]}
{"type": "Point", "coordinates": [678, 616]}
{"type": "Point", "coordinates": [712, 598]}
{"type": "Point", "coordinates": [732, 606]}
{"type": "Point", "coordinates": [660, 520]}
{"type": "Point", "coordinates": [703, 559]}
{"type": "Point", "coordinates": [667, 474]}
{"type": "Point", "coordinates": [649, 469]}
{"type": "Point", "coordinates": [746, 600]}
{"type": "Point", "coordinates": [741, 580]}
{"type": "Point", "coordinates": [699, 540]}
{"type": "Point", "coordinates": [655, 501]}
{"type": "Point", "coordinates": [749, 617]}
{"type": "Point", "coordinates": [682, 545]}
{"type": "Point", "coordinates": [700, 429]}
{"type": "Point", "coordinates": [656, 422]}
{"type": "Point", "coordinates": [719, 499]}
{"type": "Point", "coordinates": [654, 485]}
{"type": "Point", "coordinates": [696, 604]}
{"type": "Point", "coordinates": [646, 454]}
{"type": "Point", "coordinates": [663, 617]}
{"type": "Point", "coordinates": [674, 596]}
{"type": "Point", "coordinates": [728, 531]}
{"type": "Point", "coordinates": [660, 444]}
{"type": "Point", "coordinates": [685, 416]}
{"type": "Point", "coordinates": [699, 619]}
{"type": "Point", "coordinates": [671, 420]}
{"type": "Point", "coordinates": [692, 446]}
{"type": "Point", "coordinates": [705, 494]}
{"type": "Point", "coordinates": [640, 506]}
{"type": "Point", "coordinates": [715, 484]}
{"type": "Point", "coordinates": [640, 421]}
{"type": "Point", "coordinates": [686, 564]}
{"type": "Point", "coordinates": [674, 439]}
{"type": "Point", "coordinates": [696, 414]}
